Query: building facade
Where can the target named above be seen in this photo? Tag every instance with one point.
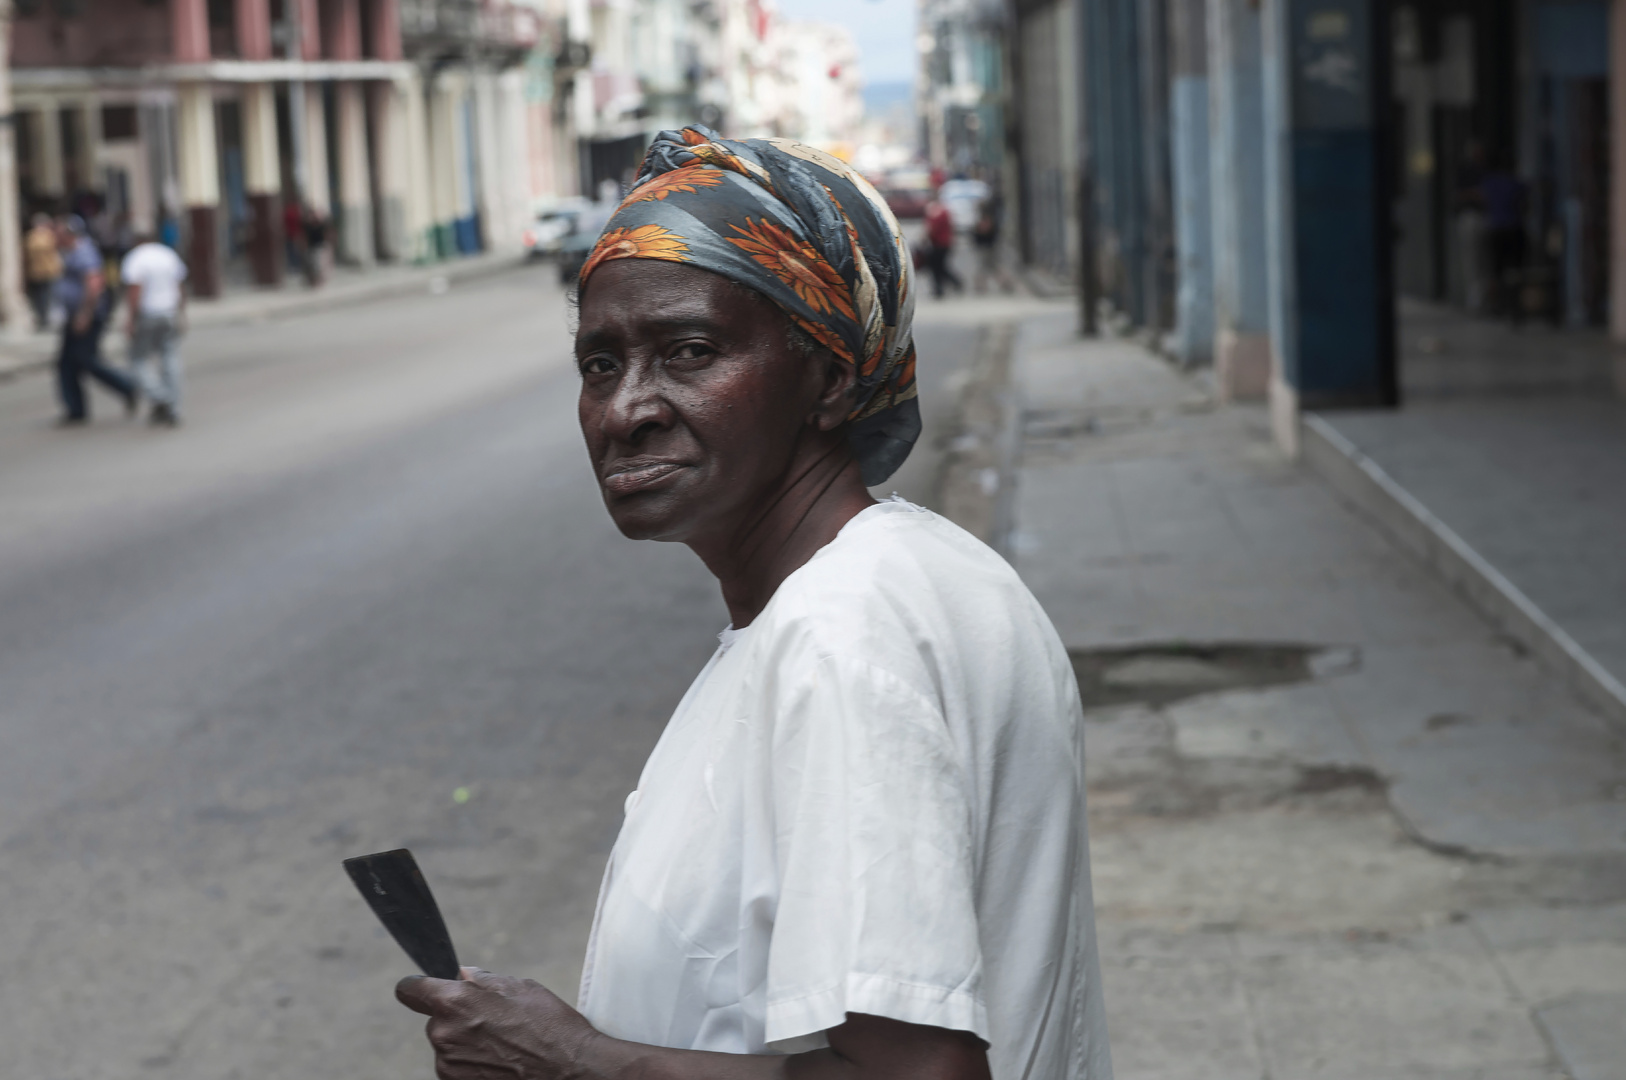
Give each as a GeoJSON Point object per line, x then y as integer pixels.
{"type": "Point", "coordinates": [1263, 183]}
{"type": "Point", "coordinates": [414, 126]}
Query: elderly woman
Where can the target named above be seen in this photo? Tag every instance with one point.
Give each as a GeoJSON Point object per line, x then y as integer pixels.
{"type": "Point", "coordinates": [858, 849]}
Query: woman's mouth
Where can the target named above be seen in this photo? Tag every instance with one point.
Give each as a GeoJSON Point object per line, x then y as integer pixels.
{"type": "Point", "coordinates": [632, 476]}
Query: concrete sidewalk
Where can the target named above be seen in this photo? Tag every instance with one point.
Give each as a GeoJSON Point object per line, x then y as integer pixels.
{"type": "Point", "coordinates": [1342, 827]}
{"type": "Point", "coordinates": [23, 352]}
{"type": "Point", "coordinates": [1530, 493]}
{"type": "Point", "coordinates": [1502, 470]}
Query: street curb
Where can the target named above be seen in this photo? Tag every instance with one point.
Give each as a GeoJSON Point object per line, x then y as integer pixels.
{"type": "Point", "coordinates": [280, 305]}
{"type": "Point", "coordinates": [1365, 484]}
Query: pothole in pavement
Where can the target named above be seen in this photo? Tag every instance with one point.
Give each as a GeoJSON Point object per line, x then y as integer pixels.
{"type": "Point", "coordinates": [1129, 689]}
{"type": "Point", "coordinates": [1162, 673]}
{"type": "Point", "coordinates": [1276, 835]}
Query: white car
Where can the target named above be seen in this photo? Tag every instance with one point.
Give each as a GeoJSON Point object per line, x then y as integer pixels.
{"type": "Point", "coordinates": [963, 198]}
{"type": "Point", "coordinates": [549, 234]}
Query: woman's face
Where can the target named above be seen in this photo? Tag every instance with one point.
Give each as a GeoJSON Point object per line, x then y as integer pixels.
{"type": "Point", "coordinates": [693, 401]}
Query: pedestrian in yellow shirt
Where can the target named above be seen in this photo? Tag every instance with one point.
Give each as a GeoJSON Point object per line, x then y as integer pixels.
{"type": "Point", "coordinates": [42, 266]}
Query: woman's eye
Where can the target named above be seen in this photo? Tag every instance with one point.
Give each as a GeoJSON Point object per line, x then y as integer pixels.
{"type": "Point", "coordinates": [597, 365]}
{"type": "Point", "coordinates": [692, 351]}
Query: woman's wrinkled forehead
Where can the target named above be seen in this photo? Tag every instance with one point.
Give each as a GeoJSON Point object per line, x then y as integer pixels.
{"type": "Point", "coordinates": [659, 297]}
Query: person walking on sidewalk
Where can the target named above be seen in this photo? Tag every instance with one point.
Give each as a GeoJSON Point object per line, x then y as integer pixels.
{"type": "Point", "coordinates": [314, 228]}
{"type": "Point", "coordinates": [940, 247]}
{"type": "Point", "coordinates": [858, 850]}
{"type": "Point", "coordinates": [42, 266]}
{"type": "Point", "coordinates": [293, 233]}
{"type": "Point", "coordinates": [985, 235]}
{"type": "Point", "coordinates": [154, 282]}
{"type": "Point", "coordinates": [82, 292]}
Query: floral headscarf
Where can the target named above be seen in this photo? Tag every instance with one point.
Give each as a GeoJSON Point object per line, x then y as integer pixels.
{"type": "Point", "coordinates": [803, 229]}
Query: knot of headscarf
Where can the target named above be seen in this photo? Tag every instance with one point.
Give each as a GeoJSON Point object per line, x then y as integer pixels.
{"type": "Point", "coordinates": [808, 232]}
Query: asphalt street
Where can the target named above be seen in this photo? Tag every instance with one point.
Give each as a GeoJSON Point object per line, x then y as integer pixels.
{"type": "Point", "coordinates": [367, 597]}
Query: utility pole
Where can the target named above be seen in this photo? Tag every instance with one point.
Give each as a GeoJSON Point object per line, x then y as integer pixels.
{"type": "Point", "coordinates": [12, 307]}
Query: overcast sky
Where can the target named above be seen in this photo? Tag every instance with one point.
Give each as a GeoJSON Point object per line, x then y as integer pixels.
{"type": "Point", "coordinates": [884, 29]}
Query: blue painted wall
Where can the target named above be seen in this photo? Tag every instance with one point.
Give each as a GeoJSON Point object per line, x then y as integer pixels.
{"type": "Point", "coordinates": [1331, 308]}
{"type": "Point", "coordinates": [1237, 166]}
{"type": "Point", "coordinates": [1193, 223]}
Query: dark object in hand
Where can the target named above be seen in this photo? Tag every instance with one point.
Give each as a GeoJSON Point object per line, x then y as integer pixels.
{"type": "Point", "coordinates": [394, 888]}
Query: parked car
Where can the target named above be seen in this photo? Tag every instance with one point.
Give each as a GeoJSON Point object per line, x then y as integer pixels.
{"type": "Point", "coordinates": [907, 191]}
{"type": "Point", "coordinates": [565, 233]}
{"type": "Point", "coordinates": [546, 235]}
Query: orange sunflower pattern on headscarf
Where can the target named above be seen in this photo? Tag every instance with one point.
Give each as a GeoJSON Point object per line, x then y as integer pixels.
{"type": "Point", "coordinates": [807, 232]}
{"type": "Point", "coordinates": [642, 242]}
{"type": "Point", "coordinates": [796, 264]}
{"type": "Point", "coordinates": [689, 178]}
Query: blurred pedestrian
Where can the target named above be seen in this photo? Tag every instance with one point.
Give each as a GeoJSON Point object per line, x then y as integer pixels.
{"type": "Point", "coordinates": [940, 246]}
{"type": "Point", "coordinates": [169, 231]}
{"type": "Point", "coordinates": [42, 266]}
{"type": "Point", "coordinates": [985, 237]}
{"type": "Point", "coordinates": [860, 841]}
{"type": "Point", "coordinates": [314, 227]}
{"type": "Point", "coordinates": [293, 233]}
{"type": "Point", "coordinates": [1502, 194]}
{"type": "Point", "coordinates": [82, 292]}
{"type": "Point", "coordinates": [154, 282]}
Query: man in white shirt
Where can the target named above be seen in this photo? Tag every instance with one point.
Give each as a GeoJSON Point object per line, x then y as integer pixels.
{"type": "Point", "coordinates": [153, 276]}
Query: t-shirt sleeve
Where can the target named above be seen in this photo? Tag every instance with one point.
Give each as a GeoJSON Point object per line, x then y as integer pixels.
{"type": "Point", "coordinates": [873, 835]}
{"type": "Point", "coordinates": [130, 270]}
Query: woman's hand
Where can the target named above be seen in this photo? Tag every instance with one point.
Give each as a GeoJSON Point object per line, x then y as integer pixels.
{"type": "Point", "coordinates": [494, 1027]}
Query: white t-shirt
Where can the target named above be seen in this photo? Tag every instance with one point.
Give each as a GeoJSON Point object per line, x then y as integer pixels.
{"type": "Point", "coordinates": [159, 272]}
{"type": "Point", "coordinates": [870, 800]}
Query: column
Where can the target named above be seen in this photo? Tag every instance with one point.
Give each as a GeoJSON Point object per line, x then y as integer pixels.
{"type": "Point", "coordinates": [386, 27]}
{"type": "Point", "coordinates": [445, 163]}
{"type": "Point", "coordinates": [1237, 178]}
{"type": "Point", "coordinates": [189, 31]}
{"type": "Point", "coordinates": [50, 177]}
{"type": "Point", "coordinates": [342, 33]}
{"type": "Point", "coordinates": [253, 29]}
{"type": "Point", "coordinates": [13, 304]}
{"type": "Point", "coordinates": [262, 180]}
{"type": "Point", "coordinates": [318, 195]}
{"type": "Point", "coordinates": [310, 28]}
{"type": "Point", "coordinates": [200, 185]}
{"type": "Point", "coordinates": [1617, 183]}
{"type": "Point", "coordinates": [1331, 305]}
{"type": "Point", "coordinates": [88, 115]}
{"type": "Point", "coordinates": [514, 146]}
{"type": "Point", "coordinates": [391, 157]}
{"type": "Point", "coordinates": [1112, 71]}
{"type": "Point", "coordinates": [490, 199]}
{"type": "Point", "coordinates": [354, 219]}
{"type": "Point", "coordinates": [420, 188]}
{"type": "Point", "coordinates": [1193, 225]}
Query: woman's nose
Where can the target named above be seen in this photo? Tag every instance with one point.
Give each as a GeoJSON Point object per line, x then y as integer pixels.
{"type": "Point", "coordinates": [635, 410]}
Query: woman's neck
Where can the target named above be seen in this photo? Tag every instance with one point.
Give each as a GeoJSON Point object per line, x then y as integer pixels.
{"type": "Point", "coordinates": [821, 494]}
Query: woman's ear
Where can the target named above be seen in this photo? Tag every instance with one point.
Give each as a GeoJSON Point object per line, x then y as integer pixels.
{"type": "Point", "coordinates": [836, 396]}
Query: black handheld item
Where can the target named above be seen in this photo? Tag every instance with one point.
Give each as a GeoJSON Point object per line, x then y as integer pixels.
{"type": "Point", "coordinates": [394, 888]}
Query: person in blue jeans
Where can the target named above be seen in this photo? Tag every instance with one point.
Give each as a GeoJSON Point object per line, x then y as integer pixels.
{"type": "Point", "coordinates": [82, 292]}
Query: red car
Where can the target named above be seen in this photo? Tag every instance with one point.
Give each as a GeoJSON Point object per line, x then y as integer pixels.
{"type": "Point", "coordinates": [907, 191]}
